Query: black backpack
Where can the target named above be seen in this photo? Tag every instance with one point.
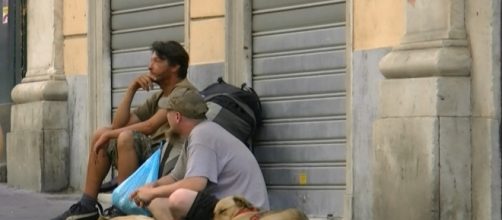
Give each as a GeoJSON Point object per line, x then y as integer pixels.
{"type": "Point", "coordinates": [238, 110]}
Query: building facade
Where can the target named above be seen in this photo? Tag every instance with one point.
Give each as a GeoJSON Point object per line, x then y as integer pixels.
{"type": "Point", "coordinates": [383, 109]}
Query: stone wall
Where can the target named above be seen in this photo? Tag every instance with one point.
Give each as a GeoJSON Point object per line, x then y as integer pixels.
{"type": "Point", "coordinates": [375, 29]}
{"type": "Point", "coordinates": [206, 33]}
{"type": "Point", "coordinates": [206, 37]}
{"type": "Point", "coordinates": [436, 139]}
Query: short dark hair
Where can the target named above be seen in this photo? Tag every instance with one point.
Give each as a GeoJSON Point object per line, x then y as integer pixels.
{"type": "Point", "coordinates": [174, 53]}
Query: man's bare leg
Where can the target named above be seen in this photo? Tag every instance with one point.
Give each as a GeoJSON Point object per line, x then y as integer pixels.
{"type": "Point", "coordinates": [175, 207]}
{"type": "Point", "coordinates": [160, 209]}
{"type": "Point", "coordinates": [97, 167]}
{"type": "Point", "coordinates": [127, 161]}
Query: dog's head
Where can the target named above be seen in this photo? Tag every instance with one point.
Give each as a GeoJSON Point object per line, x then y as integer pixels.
{"type": "Point", "coordinates": [229, 207]}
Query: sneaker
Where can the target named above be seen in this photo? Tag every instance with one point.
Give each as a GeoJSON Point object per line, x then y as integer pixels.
{"type": "Point", "coordinates": [112, 212]}
{"type": "Point", "coordinates": [79, 212]}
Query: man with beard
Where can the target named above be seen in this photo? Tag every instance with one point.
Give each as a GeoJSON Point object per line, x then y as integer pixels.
{"type": "Point", "coordinates": [213, 164]}
{"type": "Point", "coordinates": [133, 135]}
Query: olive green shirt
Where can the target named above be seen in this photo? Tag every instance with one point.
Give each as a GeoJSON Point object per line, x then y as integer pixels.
{"type": "Point", "coordinates": [151, 105]}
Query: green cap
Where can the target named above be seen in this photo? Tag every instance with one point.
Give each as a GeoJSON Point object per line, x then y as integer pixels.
{"type": "Point", "coordinates": [188, 102]}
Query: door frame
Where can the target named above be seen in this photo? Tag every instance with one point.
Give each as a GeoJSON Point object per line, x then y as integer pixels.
{"type": "Point", "coordinates": [99, 64]}
{"type": "Point", "coordinates": [349, 173]}
{"type": "Point", "coordinates": [238, 42]}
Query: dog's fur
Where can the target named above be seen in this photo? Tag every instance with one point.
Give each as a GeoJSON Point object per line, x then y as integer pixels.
{"type": "Point", "coordinates": [237, 208]}
{"type": "Point", "coordinates": [132, 217]}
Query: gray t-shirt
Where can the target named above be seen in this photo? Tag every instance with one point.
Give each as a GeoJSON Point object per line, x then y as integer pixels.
{"type": "Point", "coordinates": [230, 167]}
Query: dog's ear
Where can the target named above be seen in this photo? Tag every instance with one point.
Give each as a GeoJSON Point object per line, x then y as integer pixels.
{"type": "Point", "coordinates": [242, 203]}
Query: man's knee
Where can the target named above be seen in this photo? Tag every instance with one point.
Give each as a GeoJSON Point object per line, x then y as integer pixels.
{"type": "Point", "coordinates": [159, 204]}
{"type": "Point", "coordinates": [177, 205]}
{"type": "Point", "coordinates": [125, 138]}
{"type": "Point", "coordinates": [181, 200]}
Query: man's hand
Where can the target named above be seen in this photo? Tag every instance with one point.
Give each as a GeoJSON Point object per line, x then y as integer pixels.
{"type": "Point", "coordinates": [101, 142]}
{"type": "Point", "coordinates": [143, 196]}
{"type": "Point", "coordinates": [144, 81]}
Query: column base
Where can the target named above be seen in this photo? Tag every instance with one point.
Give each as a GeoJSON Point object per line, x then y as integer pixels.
{"type": "Point", "coordinates": [427, 59]}
{"type": "Point", "coordinates": [422, 168]}
{"type": "Point", "coordinates": [37, 147]}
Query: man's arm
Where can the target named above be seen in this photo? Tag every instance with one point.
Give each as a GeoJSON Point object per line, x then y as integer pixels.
{"type": "Point", "coordinates": [196, 183]}
{"type": "Point", "coordinates": [165, 180]}
{"type": "Point", "coordinates": [146, 127]}
{"type": "Point", "coordinates": [197, 176]}
{"type": "Point", "coordinates": [144, 195]}
{"type": "Point", "coordinates": [123, 115]}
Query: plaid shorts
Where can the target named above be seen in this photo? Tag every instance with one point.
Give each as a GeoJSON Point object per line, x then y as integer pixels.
{"type": "Point", "coordinates": [143, 145]}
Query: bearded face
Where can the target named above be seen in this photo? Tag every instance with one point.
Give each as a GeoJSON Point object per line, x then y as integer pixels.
{"type": "Point", "coordinates": [171, 134]}
{"type": "Point", "coordinates": [160, 69]}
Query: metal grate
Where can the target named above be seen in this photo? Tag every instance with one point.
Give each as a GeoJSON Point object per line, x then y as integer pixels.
{"type": "Point", "coordinates": [299, 73]}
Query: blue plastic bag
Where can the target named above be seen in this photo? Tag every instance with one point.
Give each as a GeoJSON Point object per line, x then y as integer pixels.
{"type": "Point", "coordinates": [146, 173]}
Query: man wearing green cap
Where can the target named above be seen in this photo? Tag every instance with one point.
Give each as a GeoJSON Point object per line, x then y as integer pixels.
{"type": "Point", "coordinates": [214, 164]}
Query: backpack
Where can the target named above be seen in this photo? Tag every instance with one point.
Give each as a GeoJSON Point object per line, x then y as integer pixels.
{"type": "Point", "coordinates": [237, 110]}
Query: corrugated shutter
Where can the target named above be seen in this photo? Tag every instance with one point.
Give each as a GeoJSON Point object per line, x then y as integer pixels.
{"type": "Point", "coordinates": [135, 25]}
{"type": "Point", "coordinates": [299, 73]}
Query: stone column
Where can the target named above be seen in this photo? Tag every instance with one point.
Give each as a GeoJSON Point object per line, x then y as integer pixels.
{"type": "Point", "coordinates": [422, 138]}
{"type": "Point", "coordinates": [37, 146]}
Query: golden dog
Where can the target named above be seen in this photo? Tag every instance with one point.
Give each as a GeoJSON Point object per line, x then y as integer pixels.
{"type": "Point", "coordinates": [237, 208]}
{"type": "Point", "coordinates": [129, 217]}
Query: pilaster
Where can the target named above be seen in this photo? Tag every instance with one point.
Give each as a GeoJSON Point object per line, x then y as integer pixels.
{"type": "Point", "coordinates": [37, 146]}
{"type": "Point", "coordinates": [422, 137]}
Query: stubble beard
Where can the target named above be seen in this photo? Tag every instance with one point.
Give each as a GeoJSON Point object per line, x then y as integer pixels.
{"type": "Point", "coordinates": [172, 134]}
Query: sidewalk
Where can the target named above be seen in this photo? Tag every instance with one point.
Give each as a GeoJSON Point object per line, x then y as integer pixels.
{"type": "Point", "coordinates": [16, 204]}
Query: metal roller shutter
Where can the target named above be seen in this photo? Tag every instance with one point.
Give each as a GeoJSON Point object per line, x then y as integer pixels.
{"type": "Point", "coordinates": [135, 25]}
{"type": "Point", "coordinates": [299, 73]}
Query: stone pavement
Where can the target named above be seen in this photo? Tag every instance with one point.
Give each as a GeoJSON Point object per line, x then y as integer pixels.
{"type": "Point", "coordinates": [16, 204]}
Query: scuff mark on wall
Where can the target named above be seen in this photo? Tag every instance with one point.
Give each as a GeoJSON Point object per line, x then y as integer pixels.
{"type": "Point", "coordinates": [412, 2]}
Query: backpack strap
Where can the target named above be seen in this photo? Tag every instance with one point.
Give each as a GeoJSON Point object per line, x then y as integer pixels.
{"type": "Point", "coordinates": [171, 164]}
{"type": "Point", "coordinates": [246, 88]}
{"type": "Point", "coordinates": [165, 155]}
